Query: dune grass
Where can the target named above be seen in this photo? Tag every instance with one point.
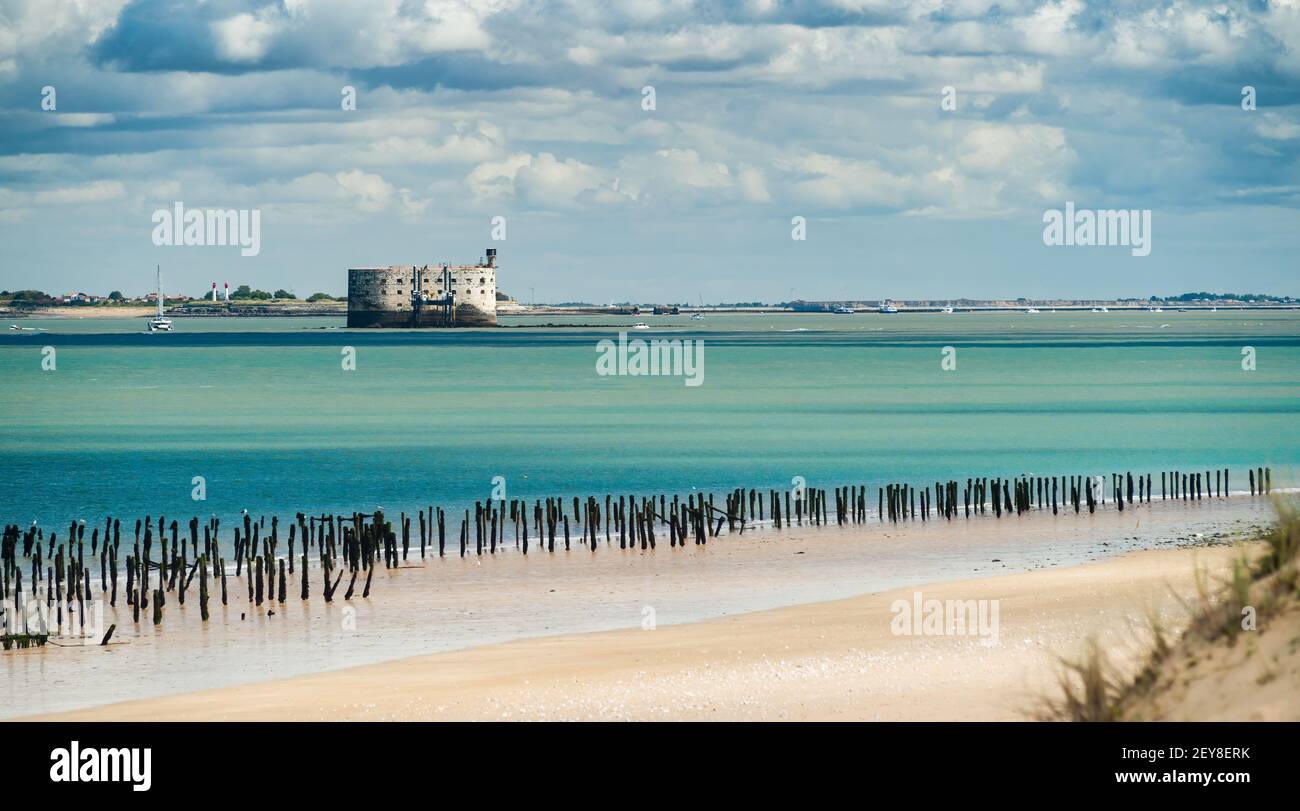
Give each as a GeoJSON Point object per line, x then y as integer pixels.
{"type": "Point", "coordinates": [1091, 687]}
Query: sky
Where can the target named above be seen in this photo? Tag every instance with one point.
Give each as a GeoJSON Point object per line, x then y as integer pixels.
{"type": "Point", "coordinates": [921, 143]}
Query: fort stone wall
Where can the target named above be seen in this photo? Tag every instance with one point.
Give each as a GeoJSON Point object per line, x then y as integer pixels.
{"type": "Point", "coordinates": [418, 296]}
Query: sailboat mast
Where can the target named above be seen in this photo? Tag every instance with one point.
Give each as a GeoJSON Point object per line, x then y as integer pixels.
{"type": "Point", "coordinates": [160, 297]}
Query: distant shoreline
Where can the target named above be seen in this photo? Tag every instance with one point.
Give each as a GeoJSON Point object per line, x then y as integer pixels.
{"type": "Point", "coordinates": [249, 310]}
{"type": "Point", "coordinates": [339, 309]}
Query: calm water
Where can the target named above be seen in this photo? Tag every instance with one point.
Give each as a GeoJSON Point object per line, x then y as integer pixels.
{"type": "Point", "coordinates": [262, 409]}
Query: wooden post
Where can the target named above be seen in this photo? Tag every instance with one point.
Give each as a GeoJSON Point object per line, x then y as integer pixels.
{"type": "Point", "coordinates": [203, 587]}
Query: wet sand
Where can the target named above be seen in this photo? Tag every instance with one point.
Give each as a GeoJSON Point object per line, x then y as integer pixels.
{"type": "Point", "coordinates": [547, 606]}
{"type": "Point", "coordinates": [828, 661]}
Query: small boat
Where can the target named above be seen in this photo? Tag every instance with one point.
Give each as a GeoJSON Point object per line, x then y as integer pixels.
{"type": "Point", "coordinates": [888, 307]}
{"type": "Point", "coordinates": [697, 317]}
{"type": "Point", "coordinates": [1030, 310]}
{"type": "Point", "coordinates": [17, 328]}
{"type": "Point", "coordinates": [640, 325]}
{"type": "Point", "coordinates": [158, 323]}
{"type": "Point", "coordinates": [947, 310]}
{"type": "Point", "coordinates": [844, 310]}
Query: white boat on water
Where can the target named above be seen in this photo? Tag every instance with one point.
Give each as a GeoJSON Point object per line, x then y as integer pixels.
{"type": "Point", "coordinates": [640, 325]}
{"type": "Point", "coordinates": [697, 317]}
{"type": "Point", "coordinates": [844, 310]}
{"type": "Point", "coordinates": [1030, 310]}
{"type": "Point", "coordinates": [946, 310]}
{"type": "Point", "coordinates": [888, 307]}
{"type": "Point", "coordinates": [159, 323]}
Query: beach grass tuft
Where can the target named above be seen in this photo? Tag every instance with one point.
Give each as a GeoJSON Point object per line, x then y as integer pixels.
{"type": "Point", "coordinates": [1090, 687]}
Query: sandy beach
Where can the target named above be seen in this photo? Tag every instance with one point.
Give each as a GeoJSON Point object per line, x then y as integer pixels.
{"type": "Point", "coordinates": [836, 660]}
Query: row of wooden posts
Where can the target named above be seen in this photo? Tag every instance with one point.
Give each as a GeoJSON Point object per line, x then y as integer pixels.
{"type": "Point", "coordinates": [352, 545]}
{"type": "Point", "coordinates": [1020, 495]}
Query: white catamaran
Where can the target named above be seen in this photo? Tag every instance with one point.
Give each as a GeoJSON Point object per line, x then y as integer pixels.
{"type": "Point", "coordinates": [158, 323]}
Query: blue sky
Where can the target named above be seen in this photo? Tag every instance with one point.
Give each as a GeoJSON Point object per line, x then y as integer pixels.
{"type": "Point", "coordinates": [764, 111]}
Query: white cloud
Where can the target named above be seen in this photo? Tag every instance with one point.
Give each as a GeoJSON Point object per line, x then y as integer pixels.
{"type": "Point", "coordinates": [681, 176]}
{"type": "Point", "coordinates": [1276, 128]}
{"type": "Point", "coordinates": [358, 33]}
{"type": "Point", "coordinates": [367, 192]}
{"type": "Point", "coordinates": [243, 37]}
{"type": "Point", "coordinates": [467, 145]}
{"type": "Point", "coordinates": [82, 119]}
{"type": "Point", "coordinates": [547, 180]}
{"type": "Point", "coordinates": [833, 182]}
{"type": "Point", "coordinates": [100, 191]}
{"type": "Point", "coordinates": [42, 27]}
{"type": "Point", "coordinates": [752, 185]}
{"type": "Point", "coordinates": [492, 180]}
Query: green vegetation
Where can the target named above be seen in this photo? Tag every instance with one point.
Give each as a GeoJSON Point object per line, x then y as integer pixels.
{"type": "Point", "coordinates": [1203, 296]}
{"type": "Point", "coordinates": [284, 294]}
{"type": "Point", "coordinates": [321, 297]}
{"type": "Point", "coordinates": [27, 297]}
{"type": "Point", "coordinates": [246, 293]}
{"type": "Point", "coordinates": [1092, 687]}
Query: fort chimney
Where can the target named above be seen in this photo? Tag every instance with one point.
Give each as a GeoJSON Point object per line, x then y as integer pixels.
{"type": "Point", "coordinates": [491, 257]}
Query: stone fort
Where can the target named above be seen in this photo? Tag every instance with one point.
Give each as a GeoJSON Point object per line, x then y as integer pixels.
{"type": "Point", "coordinates": [424, 296]}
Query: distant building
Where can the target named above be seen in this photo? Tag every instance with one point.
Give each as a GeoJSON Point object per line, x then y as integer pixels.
{"type": "Point", "coordinates": [424, 296]}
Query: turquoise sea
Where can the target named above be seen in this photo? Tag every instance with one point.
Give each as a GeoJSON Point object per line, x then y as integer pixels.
{"type": "Point", "coordinates": [263, 410]}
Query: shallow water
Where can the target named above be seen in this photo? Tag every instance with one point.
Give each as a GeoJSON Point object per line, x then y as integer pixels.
{"type": "Point", "coordinates": [445, 604]}
{"type": "Point", "coordinates": [263, 411]}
